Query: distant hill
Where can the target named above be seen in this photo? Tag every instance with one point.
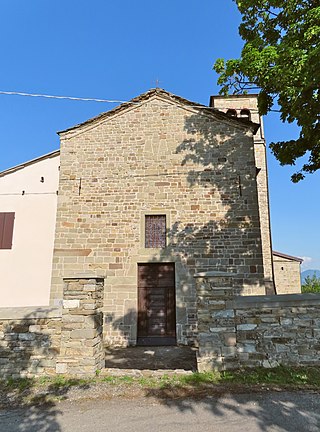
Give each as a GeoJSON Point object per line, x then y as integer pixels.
{"type": "Point", "coordinates": [310, 273]}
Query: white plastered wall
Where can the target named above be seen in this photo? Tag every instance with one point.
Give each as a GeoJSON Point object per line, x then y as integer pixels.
{"type": "Point", "coordinates": [26, 268]}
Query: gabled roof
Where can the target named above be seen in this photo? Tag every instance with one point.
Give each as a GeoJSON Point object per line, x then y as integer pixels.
{"type": "Point", "coordinates": [173, 98]}
{"type": "Point", "coordinates": [30, 162]}
{"type": "Point", "coordinates": [289, 257]}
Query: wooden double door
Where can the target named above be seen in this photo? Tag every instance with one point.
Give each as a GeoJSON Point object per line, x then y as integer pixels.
{"type": "Point", "coordinates": [156, 304]}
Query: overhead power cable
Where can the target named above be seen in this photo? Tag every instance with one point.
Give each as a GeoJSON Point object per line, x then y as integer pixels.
{"type": "Point", "coordinates": [74, 98]}
{"type": "Point", "coordinates": [60, 97]}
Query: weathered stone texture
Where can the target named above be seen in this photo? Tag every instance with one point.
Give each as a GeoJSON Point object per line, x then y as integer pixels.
{"type": "Point", "coordinates": [29, 346]}
{"type": "Point", "coordinates": [158, 157]}
{"type": "Point", "coordinates": [250, 103]}
{"type": "Point", "coordinates": [255, 331]}
{"type": "Point", "coordinates": [81, 351]}
{"type": "Point", "coordinates": [286, 275]}
{"type": "Point", "coordinates": [70, 344]}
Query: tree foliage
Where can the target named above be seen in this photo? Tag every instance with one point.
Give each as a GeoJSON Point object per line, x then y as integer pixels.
{"type": "Point", "coordinates": [281, 57]}
{"type": "Point", "coordinates": [311, 284]}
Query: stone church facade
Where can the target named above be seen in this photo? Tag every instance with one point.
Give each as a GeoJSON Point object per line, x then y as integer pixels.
{"type": "Point", "coordinates": [154, 193]}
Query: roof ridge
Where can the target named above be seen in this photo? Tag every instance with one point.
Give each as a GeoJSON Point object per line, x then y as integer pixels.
{"type": "Point", "coordinates": [175, 98]}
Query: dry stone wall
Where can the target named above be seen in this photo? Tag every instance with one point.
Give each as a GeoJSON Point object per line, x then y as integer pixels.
{"type": "Point", "coordinates": [46, 341]}
{"type": "Point", "coordinates": [252, 331]}
{"type": "Point", "coordinates": [29, 343]}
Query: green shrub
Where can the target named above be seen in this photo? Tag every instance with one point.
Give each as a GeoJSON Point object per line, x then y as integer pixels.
{"type": "Point", "coordinates": [311, 284]}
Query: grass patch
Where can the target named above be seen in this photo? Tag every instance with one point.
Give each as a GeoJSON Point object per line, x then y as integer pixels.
{"type": "Point", "coordinates": [116, 380]}
{"type": "Point", "coordinates": [61, 381]}
{"type": "Point", "coordinates": [18, 384]}
{"type": "Point", "coordinates": [198, 378]}
{"type": "Point", "coordinates": [109, 379]}
{"type": "Point", "coordinates": [281, 375]}
{"type": "Point", "coordinates": [126, 379]}
{"type": "Point", "coordinates": [285, 377]}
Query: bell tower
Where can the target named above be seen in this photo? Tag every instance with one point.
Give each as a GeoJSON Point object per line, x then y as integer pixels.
{"type": "Point", "coordinates": [246, 106]}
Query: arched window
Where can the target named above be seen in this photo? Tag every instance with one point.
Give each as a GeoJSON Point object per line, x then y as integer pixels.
{"type": "Point", "coordinates": [245, 113]}
{"type": "Point", "coordinates": [232, 113]}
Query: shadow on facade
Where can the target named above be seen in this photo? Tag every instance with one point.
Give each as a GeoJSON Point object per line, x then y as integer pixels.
{"type": "Point", "coordinates": [224, 234]}
{"type": "Point", "coordinates": [215, 222]}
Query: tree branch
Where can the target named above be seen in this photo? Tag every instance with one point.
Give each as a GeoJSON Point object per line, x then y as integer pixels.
{"type": "Point", "coordinates": [271, 13]}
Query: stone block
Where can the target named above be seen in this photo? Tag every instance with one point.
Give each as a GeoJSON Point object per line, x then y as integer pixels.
{"type": "Point", "coordinates": [34, 329]}
{"type": "Point", "coordinates": [243, 357]}
{"type": "Point", "coordinates": [280, 348]}
{"type": "Point", "coordinates": [246, 327]}
{"type": "Point", "coordinates": [89, 287]}
{"type": "Point", "coordinates": [217, 304]}
{"type": "Point", "coordinates": [270, 363]}
{"type": "Point", "coordinates": [222, 329]}
{"type": "Point", "coordinates": [229, 351]}
{"type": "Point", "coordinates": [229, 339]}
{"type": "Point", "coordinates": [286, 321]}
{"type": "Point", "coordinates": [83, 334]}
{"type": "Point", "coordinates": [61, 368]}
{"type": "Point", "coordinates": [89, 307]}
{"type": "Point", "coordinates": [26, 336]}
{"type": "Point", "coordinates": [248, 348]}
{"type": "Point", "coordinates": [73, 319]}
{"type": "Point", "coordinates": [269, 320]}
{"type": "Point", "coordinates": [71, 304]}
{"type": "Point", "coordinates": [208, 349]}
{"type": "Point", "coordinates": [227, 313]}
{"type": "Point", "coordinates": [88, 361]}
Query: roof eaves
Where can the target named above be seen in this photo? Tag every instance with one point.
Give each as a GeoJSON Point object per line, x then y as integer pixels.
{"type": "Point", "coordinates": [290, 257]}
{"type": "Point", "coordinates": [30, 162]}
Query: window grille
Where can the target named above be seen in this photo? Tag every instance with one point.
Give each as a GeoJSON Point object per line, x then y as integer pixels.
{"type": "Point", "coordinates": [155, 231]}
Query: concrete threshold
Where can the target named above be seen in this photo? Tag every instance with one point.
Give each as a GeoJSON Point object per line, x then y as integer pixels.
{"type": "Point", "coordinates": [168, 359]}
{"type": "Point", "coordinates": [140, 373]}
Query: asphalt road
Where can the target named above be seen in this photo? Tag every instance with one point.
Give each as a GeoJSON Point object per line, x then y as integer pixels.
{"type": "Point", "coordinates": [273, 411]}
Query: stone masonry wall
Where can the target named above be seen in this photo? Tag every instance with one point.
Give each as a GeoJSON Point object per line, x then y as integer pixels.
{"type": "Point", "coordinates": [45, 341]}
{"type": "Point", "coordinates": [265, 331]}
{"type": "Point", "coordinates": [157, 156]}
{"type": "Point", "coordinates": [29, 343]}
{"type": "Point", "coordinates": [250, 102]}
{"type": "Point", "coordinates": [81, 351]}
{"type": "Point", "coordinates": [286, 275]}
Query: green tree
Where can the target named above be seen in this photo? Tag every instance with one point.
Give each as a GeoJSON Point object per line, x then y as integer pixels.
{"type": "Point", "coordinates": [311, 284]}
{"type": "Point", "coordinates": [281, 58]}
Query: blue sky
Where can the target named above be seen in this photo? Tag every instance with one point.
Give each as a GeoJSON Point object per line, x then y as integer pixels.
{"type": "Point", "coordinates": [117, 50]}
